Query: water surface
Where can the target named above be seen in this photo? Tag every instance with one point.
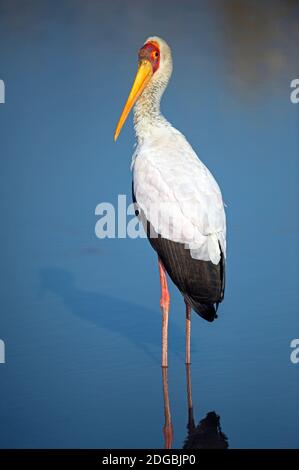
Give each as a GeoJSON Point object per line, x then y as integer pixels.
{"type": "Point", "coordinates": [80, 316]}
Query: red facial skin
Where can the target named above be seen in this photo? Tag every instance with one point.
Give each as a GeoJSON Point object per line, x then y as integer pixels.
{"type": "Point", "coordinates": [150, 51]}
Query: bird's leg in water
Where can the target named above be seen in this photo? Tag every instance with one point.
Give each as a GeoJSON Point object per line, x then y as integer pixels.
{"type": "Point", "coordinates": [188, 332]}
{"type": "Point", "coordinates": [167, 428]}
{"type": "Point", "coordinates": [164, 303]}
{"type": "Point", "coordinates": [191, 424]}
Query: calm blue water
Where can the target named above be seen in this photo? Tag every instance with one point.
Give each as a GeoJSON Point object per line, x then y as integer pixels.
{"type": "Point", "coordinates": [80, 316]}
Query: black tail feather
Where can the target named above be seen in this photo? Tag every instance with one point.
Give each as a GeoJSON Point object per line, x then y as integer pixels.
{"type": "Point", "coordinates": [207, 311]}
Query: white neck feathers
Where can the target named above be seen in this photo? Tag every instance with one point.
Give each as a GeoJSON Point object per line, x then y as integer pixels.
{"type": "Point", "coordinates": [147, 115]}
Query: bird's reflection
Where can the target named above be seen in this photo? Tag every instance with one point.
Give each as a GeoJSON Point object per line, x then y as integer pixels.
{"type": "Point", "coordinates": [167, 428]}
{"type": "Point", "coordinates": [206, 435]}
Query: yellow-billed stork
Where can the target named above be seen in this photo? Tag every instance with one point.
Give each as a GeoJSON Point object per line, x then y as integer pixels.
{"type": "Point", "coordinates": [176, 197]}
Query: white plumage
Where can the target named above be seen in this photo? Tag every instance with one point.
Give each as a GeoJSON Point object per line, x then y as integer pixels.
{"type": "Point", "coordinates": [174, 189]}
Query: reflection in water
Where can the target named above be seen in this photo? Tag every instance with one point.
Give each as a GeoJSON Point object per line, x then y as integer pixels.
{"type": "Point", "coordinates": [167, 428]}
{"type": "Point", "coordinates": [137, 325]}
{"type": "Point", "coordinates": [206, 435]}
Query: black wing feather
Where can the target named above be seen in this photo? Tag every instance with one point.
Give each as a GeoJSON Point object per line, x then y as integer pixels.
{"type": "Point", "coordinates": [202, 283]}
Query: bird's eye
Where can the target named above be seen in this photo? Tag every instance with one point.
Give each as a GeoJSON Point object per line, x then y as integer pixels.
{"type": "Point", "coordinates": [155, 54]}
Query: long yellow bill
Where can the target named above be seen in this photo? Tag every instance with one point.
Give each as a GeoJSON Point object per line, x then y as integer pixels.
{"type": "Point", "coordinates": [143, 75]}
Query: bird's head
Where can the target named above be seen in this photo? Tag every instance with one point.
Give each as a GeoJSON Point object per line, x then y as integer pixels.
{"type": "Point", "coordinates": [153, 73]}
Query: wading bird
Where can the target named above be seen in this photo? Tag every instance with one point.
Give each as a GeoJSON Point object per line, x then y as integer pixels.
{"type": "Point", "coordinates": [176, 197]}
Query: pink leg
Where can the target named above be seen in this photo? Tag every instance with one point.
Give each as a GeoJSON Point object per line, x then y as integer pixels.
{"type": "Point", "coordinates": [188, 332]}
{"type": "Point", "coordinates": [164, 304]}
